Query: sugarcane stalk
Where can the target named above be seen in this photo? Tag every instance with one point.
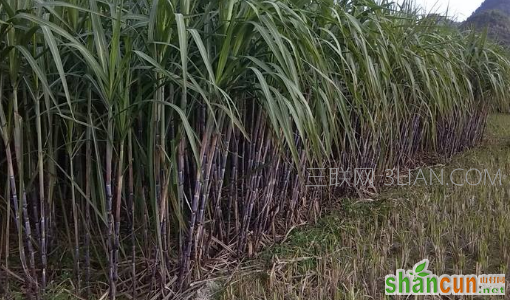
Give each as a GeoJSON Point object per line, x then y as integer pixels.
{"type": "Point", "coordinates": [76, 256]}
{"type": "Point", "coordinates": [232, 200]}
{"type": "Point", "coordinates": [42, 203]}
{"type": "Point", "coordinates": [254, 163]}
{"type": "Point", "coordinates": [118, 201]}
{"type": "Point", "coordinates": [217, 217]}
{"type": "Point", "coordinates": [7, 228]}
{"type": "Point", "coordinates": [180, 189]}
{"type": "Point", "coordinates": [12, 186]}
{"type": "Point", "coordinates": [88, 173]}
{"type": "Point", "coordinates": [18, 134]}
{"type": "Point", "coordinates": [27, 144]}
{"type": "Point", "coordinates": [109, 198]}
{"type": "Point", "coordinates": [184, 268]}
{"type": "Point", "coordinates": [203, 199]}
{"type": "Point", "coordinates": [132, 214]}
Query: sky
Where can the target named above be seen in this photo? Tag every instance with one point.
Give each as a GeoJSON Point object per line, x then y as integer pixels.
{"type": "Point", "coordinates": [459, 9]}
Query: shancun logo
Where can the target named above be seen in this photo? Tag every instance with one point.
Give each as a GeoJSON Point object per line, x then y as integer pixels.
{"type": "Point", "coordinates": [420, 281]}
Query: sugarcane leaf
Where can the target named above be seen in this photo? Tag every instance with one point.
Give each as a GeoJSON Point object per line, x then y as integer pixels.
{"type": "Point", "coordinates": [50, 39]}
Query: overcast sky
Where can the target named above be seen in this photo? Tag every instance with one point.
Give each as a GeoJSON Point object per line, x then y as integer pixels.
{"type": "Point", "coordinates": [461, 9]}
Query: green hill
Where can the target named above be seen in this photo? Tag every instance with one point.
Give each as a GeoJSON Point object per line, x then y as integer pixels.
{"type": "Point", "coordinates": [501, 5]}
{"type": "Point", "coordinates": [495, 16]}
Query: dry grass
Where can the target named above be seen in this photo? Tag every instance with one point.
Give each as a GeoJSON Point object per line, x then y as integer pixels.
{"type": "Point", "coordinates": [347, 254]}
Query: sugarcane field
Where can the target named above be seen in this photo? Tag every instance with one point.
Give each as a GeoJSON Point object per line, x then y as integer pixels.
{"type": "Point", "coordinates": [254, 149]}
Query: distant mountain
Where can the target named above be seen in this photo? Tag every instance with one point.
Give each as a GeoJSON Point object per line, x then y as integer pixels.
{"type": "Point", "coordinates": [501, 5]}
{"type": "Point", "coordinates": [495, 16]}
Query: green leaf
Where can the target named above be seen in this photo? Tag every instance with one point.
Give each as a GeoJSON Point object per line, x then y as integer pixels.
{"type": "Point", "coordinates": [420, 267]}
{"type": "Point", "coordinates": [50, 39]}
{"type": "Point", "coordinates": [183, 49]}
{"type": "Point", "coordinates": [37, 70]}
{"type": "Point", "coordinates": [10, 12]}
